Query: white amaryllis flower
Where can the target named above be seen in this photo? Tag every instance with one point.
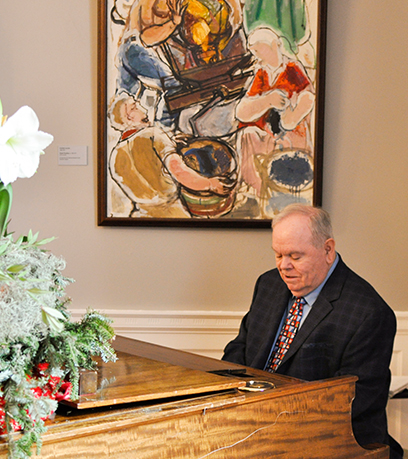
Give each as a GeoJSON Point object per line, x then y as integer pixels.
{"type": "Point", "coordinates": [21, 144]}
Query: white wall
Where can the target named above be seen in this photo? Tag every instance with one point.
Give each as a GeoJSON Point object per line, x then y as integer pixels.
{"type": "Point", "coordinates": [48, 61]}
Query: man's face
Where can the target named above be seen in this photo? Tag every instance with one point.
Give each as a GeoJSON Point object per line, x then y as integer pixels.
{"type": "Point", "coordinates": [133, 114]}
{"type": "Point", "coordinates": [302, 266]}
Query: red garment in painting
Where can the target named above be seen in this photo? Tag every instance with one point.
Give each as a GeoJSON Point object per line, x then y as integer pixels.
{"type": "Point", "coordinates": [292, 80]}
{"type": "Point", "coordinates": [266, 135]}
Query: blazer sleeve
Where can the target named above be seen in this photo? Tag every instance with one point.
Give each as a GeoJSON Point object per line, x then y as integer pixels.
{"type": "Point", "coordinates": [368, 355]}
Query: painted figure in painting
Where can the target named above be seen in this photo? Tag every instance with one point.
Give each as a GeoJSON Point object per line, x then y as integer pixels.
{"type": "Point", "coordinates": [148, 167]}
{"type": "Point", "coordinates": [274, 112]}
{"type": "Point", "coordinates": [164, 37]}
{"type": "Point", "coordinates": [148, 24]}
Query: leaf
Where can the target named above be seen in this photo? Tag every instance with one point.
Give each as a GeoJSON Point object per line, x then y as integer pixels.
{"type": "Point", "coordinates": [45, 241]}
{"type": "Point", "coordinates": [19, 241]}
{"type": "Point", "coordinates": [15, 268]}
{"type": "Point", "coordinates": [4, 247]}
{"type": "Point", "coordinates": [5, 375]}
{"type": "Point", "coordinates": [4, 277]}
{"type": "Point", "coordinates": [50, 317]}
{"type": "Point", "coordinates": [37, 291]}
{"type": "Point", "coordinates": [53, 312]}
{"type": "Point", "coordinates": [54, 324]}
{"type": "Point", "coordinates": [30, 238]}
{"type": "Point", "coordinates": [16, 378]}
{"type": "Point", "coordinates": [42, 408]}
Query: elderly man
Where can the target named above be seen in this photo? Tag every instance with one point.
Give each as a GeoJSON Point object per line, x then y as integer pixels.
{"type": "Point", "coordinates": [313, 318]}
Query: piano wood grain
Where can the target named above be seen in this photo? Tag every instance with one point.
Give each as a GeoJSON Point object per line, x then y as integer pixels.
{"type": "Point", "coordinates": [296, 420]}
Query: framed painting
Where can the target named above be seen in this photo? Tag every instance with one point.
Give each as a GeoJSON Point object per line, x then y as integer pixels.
{"type": "Point", "coordinates": [210, 112]}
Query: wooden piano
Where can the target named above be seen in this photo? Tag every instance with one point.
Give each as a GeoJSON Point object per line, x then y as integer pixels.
{"type": "Point", "coordinates": [160, 403]}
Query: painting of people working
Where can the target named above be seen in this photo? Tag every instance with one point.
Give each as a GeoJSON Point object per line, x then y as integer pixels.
{"type": "Point", "coordinates": [210, 111]}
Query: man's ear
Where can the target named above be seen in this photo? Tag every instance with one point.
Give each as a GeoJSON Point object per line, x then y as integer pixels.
{"type": "Point", "coordinates": [330, 249]}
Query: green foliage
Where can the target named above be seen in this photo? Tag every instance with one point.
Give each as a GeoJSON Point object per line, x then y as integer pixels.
{"type": "Point", "coordinates": [35, 328]}
{"type": "Point", "coordinates": [74, 347]}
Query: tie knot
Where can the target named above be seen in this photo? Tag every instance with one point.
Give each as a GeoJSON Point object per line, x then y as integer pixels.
{"type": "Point", "coordinates": [300, 300]}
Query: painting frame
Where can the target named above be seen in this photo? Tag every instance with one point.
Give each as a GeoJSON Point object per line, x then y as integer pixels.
{"type": "Point", "coordinates": [106, 71]}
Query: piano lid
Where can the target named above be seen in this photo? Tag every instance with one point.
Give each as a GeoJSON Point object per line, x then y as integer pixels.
{"type": "Point", "coordinates": [134, 379]}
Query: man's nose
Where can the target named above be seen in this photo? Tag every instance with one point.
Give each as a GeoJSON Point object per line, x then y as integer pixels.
{"type": "Point", "coordinates": [286, 263]}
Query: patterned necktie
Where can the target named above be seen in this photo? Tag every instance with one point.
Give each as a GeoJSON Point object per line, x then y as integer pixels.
{"type": "Point", "coordinates": [286, 335]}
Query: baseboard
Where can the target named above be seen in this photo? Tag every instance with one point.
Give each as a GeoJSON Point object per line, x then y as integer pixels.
{"type": "Point", "coordinates": [207, 332]}
{"type": "Point", "coordinates": [201, 332]}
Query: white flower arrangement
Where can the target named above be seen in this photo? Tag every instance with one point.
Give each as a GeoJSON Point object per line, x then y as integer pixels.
{"type": "Point", "coordinates": [21, 144]}
{"type": "Point", "coordinates": [41, 350]}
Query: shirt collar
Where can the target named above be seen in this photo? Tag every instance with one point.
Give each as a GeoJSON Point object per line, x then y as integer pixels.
{"type": "Point", "coordinates": [312, 296]}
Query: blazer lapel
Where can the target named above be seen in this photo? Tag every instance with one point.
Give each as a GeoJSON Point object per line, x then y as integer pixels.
{"type": "Point", "coordinates": [277, 304]}
{"type": "Point", "coordinates": [319, 311]}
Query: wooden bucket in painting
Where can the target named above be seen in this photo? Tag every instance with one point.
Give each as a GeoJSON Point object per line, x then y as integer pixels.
{"type": "Point", "coordinates": [210, 158]}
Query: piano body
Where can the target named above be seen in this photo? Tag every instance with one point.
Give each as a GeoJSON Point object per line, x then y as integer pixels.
{"type": "Point", "coordinates": [160, 403]}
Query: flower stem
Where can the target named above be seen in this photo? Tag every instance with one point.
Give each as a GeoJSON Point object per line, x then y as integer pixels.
{"type": "Point", "coordinates": [6, 197]}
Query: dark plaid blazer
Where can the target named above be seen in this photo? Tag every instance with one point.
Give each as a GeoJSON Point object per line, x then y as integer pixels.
{"type": "Point", "coordinates": [349, 331]}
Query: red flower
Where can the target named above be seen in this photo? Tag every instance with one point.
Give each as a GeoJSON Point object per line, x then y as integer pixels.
{"type": "Point", "coordinates": [3, 429]}
{"type": "Point", "coordinates": [41, 367]}
{"type": "Point", "coordinates": [53, 382]}
{"type": "Point", "coordinates": [64, 392]}
{"type": "Point", "coordinates": [48, 389]}
{"type": "Point", "coordinates": [38, 392]}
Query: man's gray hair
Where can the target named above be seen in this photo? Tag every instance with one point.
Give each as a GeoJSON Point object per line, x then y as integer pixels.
{"type": "Point", "coordinates": [319, 221]}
